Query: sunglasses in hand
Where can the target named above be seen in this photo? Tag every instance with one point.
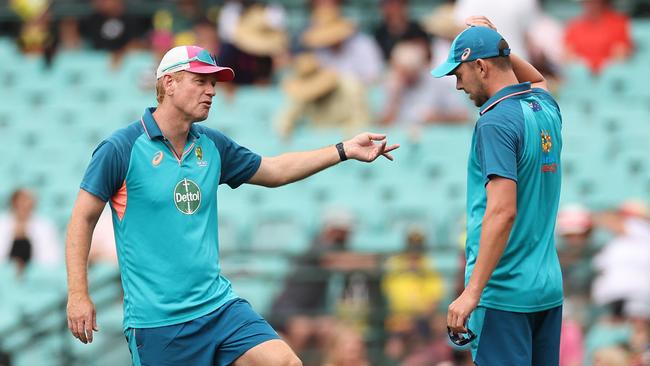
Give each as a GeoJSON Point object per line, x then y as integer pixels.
{"type": "Point", "coordinates": [461, 339]}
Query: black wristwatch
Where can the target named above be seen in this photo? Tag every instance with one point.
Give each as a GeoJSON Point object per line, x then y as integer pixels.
{"type": "Point", "coordinates": [341, 150]}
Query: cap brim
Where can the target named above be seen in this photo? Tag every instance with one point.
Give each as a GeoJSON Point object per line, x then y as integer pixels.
{"type": "Point", "coordinates": [444, 69]}
{"type": "Point", "coordinates": [223, 74]}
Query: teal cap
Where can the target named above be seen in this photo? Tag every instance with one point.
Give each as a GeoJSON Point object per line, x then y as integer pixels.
{"type": "Point", "coordinates": [471, 44]}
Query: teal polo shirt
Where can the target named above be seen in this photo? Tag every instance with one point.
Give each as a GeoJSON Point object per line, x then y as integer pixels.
{"type": "Point", "coordinates": [518, 137]}
{"type": "Point", "coordinates": [164, 210]}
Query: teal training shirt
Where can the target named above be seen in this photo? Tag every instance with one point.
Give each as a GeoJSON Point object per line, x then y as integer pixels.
{"type": "Point", "coordinates": [518, 137]}
{"type": "Point", "coordinates": [165, 217]}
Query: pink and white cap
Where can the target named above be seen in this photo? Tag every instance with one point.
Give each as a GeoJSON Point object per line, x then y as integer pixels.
{"type": "Point", "coordinates": [193, 59]}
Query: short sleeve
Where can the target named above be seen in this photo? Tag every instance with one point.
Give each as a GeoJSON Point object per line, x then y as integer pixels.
{"type": "Point", "coordinates": [106, 172]}
{"type": "Point", "coordinates": [238, 164]}
{"type": "Point", "coordinates": [497, 151]}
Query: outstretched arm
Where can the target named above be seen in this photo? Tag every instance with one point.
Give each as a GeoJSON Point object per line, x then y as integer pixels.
{"type": "Point", "coordinates": [291, 167]}
{"type": "Point", "coordinates": [523, 70]}
{"type": "Point", "coordinates": [81, 310]}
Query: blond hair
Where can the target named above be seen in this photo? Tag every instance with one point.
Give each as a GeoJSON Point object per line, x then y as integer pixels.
{"type": "Point", "coordinates": [160, 88]}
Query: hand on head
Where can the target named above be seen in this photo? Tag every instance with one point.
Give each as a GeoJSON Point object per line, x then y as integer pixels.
{"type": "Point", "coordinates": [479, 21]}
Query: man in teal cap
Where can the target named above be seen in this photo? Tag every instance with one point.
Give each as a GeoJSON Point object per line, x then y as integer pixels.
{"type": "Point", "coordinates": [511, 308]}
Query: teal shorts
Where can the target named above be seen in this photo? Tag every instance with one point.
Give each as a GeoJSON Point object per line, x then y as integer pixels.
{"type": "Point", "coordinates": [507, 338]}
{"type": "Point", "coordinates": [215, 339]}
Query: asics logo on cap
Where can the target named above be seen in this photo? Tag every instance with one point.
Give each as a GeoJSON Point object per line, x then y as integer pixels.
{"type": "Point", "coordinates": [465, 54]}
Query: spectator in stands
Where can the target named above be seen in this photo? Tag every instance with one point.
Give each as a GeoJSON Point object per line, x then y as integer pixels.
{"type": "Point", "coordinates": [623, 265]}
{"type": "Point", "coordinates": [229, 18]}
{"type": "Point", "coordinates": [612, 329]}
{"type": "Point", "coordinates": [599, 36]}
{"type": "Point", "coordinates": [346, 347]}
{"type": "Point", "coordinates": [429, 345]}
{"type": "Point", "coordinates": [443, 27]}
{"type": "Point", "coordinates": [514, 19]}
{"type": "Point", "coordinates": [572, 348]}
{"type": "Point", "coordinates": [178, 21]}
{"type": "Point", "coordinates": [230, 13]}
{"type": "Point", "coordinates": [413, 289]}
{"type": "Point", "coordinates": [5, 360]}
{"type": "Point", "coordinates": [641, 9]}
{"type": "Point", "coordinates": [303, 303]}
{"type": "Point", "coordinates": [396, 26]}
{"type": "Point", "coordinates": [639, 344]}
{"type": "Point", "coordinates": [110, 28]}
{"type": "Point", "coordinates": [612, 356]}
{"type": "Point", "coordinates": [322, 98]}
{"type": "Point", "coordinates": [413, 97]}
{"type": "Point", "coordinates": [545, 42]}
{"type": "Point", "coordinates": [411, 284]}
{"type": "Point", "coordinates": [575, 249]}
{"type": "Point", "coordinates": [338, 45]}
{"type": "Point", "coordinates": [35, 35]}
{"type": "Point", "coordinates": [26, 238]}
{"type": "Point", "coordinates": [68, 35]}
{"type": "Point", "coordinates": [258, 38]}
{"type": "Point", "coordinates": [205, 36]}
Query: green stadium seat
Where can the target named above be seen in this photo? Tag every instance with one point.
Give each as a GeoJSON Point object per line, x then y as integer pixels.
{"type": "Point", "coordinates": [267, 266]}
{"type": "Point", "coordinates": [7, 47]}
{"type": "Point", "coordinates": [641, 34]}
{"type": "Point", "coordinates": [579, 80]}
{"type": "Point", "coordinates": [447, 262]}
{"type": "Point", "coordinates": [260, 292]}
{"type": "Point", "coordinates": [371, 240]}
{"type": "Point", "coordinates": [276, 230]}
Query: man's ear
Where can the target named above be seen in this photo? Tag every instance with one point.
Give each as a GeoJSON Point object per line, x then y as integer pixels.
{"type": "Point", "coordinates": [168, 82]}
{"type": "Point", "coordinates": [482, 67]}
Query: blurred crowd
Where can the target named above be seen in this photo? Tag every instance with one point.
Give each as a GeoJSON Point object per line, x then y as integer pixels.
{"type": "Point", "coordinates": [339, 307]}
{"type": "Point", "coordinates": [334, 73]}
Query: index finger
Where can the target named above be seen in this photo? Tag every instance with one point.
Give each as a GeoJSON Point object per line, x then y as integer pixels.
{"type": "Point", "coordinates": [81, 331]}
{"type": "Point", "coordinates": [460, 324]}
{"type": "Point", "coordinates": [376, 136]}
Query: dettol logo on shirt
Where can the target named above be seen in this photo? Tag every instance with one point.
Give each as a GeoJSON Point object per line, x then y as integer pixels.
{"type": "Point", "coordinates": [187, 196]}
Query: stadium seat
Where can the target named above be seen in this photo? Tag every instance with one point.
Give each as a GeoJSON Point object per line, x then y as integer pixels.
{"type": "Point", "coordinates": [260, 292]}
{"type": "Point", "coordinates": [371, 240]}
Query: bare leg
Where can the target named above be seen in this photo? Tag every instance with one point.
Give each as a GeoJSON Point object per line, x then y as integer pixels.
{"type": "Point", "coordinates": [270, 353]}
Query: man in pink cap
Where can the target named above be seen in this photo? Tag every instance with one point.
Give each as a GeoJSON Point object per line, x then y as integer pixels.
{"type": "Point", "coordinates": [161, 175]}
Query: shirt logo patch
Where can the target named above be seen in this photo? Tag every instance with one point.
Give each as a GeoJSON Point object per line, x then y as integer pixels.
{"type": "Point", "coordinates": [548, 162]}
{"type": "Point", "coordinates": [535, 106]}
{"type": "Point", "coordinates": [547, 142]}
{"type": "Point", "coordinates": [187, 196]}
{"type": "Point", "coordinates": [198, 151]}
{"type": "Point", "coordinates": [157, 158]}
